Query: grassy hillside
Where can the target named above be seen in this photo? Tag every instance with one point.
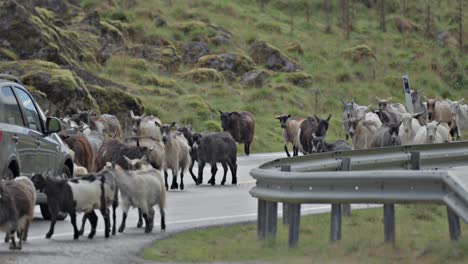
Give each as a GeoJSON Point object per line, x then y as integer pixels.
{"type": "Point", "coordinates": [151, 58]}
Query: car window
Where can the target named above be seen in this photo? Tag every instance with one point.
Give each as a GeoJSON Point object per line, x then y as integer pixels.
{"type": "Point", "coordinates": [32, 117]}
{"type": "Point", "coordinates": [10, 112]}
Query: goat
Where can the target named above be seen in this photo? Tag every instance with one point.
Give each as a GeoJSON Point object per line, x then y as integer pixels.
{"type": "Point", "coordinates": [153, 149]}
{"type": "Point", "coordinates": [141, 187]}
{"type": "Point", "coordinates": [79, 170]}
{"type": "Point", "coordinates": [187, 131]}
{"type": "Point", "coordinates": [362, 132]}
{"type": "Point", "coordinates": [439, 110]}
{"type": "Point", "coordinates": [290, 128]}
{"type": "Point", "coordinates": [432, 132]}
{"type": "Point", "coordinates": [144, 126]}
{"type": "Point", "coordinates": [93, 191]}
{"type": "Point", "coordinates": [114, 151]}
{"type": "Point", "coordinates": [396, 108]}
{"type": "Point", "coordinates": [351, 110]}
{"type": "Point", "coordinates": [408, 128]}
{"type": "Point", "coordinates": [107, 125]}
{"type": "Point", "coordinates": [320, 145]}
{"type": "Point", "coordinates": [460, 114]}
{"type": "Point", "coordinates": [82, 149]}
{"type": "Point", "coordinates": [17, 201]}
{"type": "Point", "coordinates": [241, 125]}
{"type": "Point", "coordinates": [386, 136]}
{"type": "Point", "coordinates": [216, 147]}
{"type": "Point", "coordinates": [419, 106]}
{"type": "Point", "coordinates": [310, 128]}
{"type": "Point", "coordinates": [177, 157]}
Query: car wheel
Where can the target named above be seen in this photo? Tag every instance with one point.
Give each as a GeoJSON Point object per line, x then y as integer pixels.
{"type": "Point", "coordinates": [9, 175]}
{"type": "Point", "coordinates": [45, 208]}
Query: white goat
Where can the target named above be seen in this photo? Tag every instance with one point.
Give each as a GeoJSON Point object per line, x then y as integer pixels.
{"type": "Point", "coordinates": [142, 187]}
{"type": "Point", "coordinates": [433, 132]}
{"type": "Point", "coordinates": [408, 128]}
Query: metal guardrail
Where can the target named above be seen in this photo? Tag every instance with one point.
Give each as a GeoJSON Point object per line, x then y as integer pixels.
{"type": "Point", "coordinates": [431, 173]}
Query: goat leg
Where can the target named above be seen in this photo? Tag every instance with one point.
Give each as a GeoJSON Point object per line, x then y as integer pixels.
{"type": "Point", "coordinates": [165, 180]}
{"type": "Point", "coordinates": [286, 149]}
{"type": "Point", "coordinates": [93, 219]}
{"type": "Point", "coordinates": [124, 220]}
{"type": "Point", "coordinates": [174, 184]}
{"type": "Point", "coordinates": [12, 240]}
{"type": "Point", "coordinates": [163, 218]}
{"type": "Point", "coordinates": [76, 232]}
{"type": "Point", "coordinates": [140, 218]}
{"type": "Point", "coordinates": [225, 167]}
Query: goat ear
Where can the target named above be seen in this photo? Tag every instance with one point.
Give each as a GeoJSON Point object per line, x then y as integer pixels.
{"type": "Point", "coordinates": [277, 117]}
{"type": "Point", "coordinates": [173, 124]}
{"type": "Point", "coordinates": [157, 124]}
{"type": "Point", "coordinates": [438, 123]}
{"type": "Point", "coordinates": [221, 112]}
{"type": "Point", "coordinates": [317, 118]}
{"type": "Point", "coordinates": [289, 116]}
{"type": "Point", "coordinates": [329, 117]}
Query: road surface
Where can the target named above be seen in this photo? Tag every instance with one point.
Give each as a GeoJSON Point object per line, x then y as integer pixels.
{"type": "Point", "coordinates": [196, 206]}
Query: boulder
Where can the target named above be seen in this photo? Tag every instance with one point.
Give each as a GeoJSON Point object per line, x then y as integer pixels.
{"type": "Point", "coordinates": [201, 75]}
{"type": "Point", "coordinates": [237, 63]}
{"type": "Point", "coordinates": [56, 88]}
{"type": "Point", "coordinates": [359, 53]}
{"type": "Point", "coordinates": [32, 34]}
{"type": "Point", "coordinates": [256, 78]}
{"type": "Point", "coordinates": [194, 50]}
{"type": "Point", "coordinates": [265, 54]}
{"type": "Point", "coordinates": [166, 56]}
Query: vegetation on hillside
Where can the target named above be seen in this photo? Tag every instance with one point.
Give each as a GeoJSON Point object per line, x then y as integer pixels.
{"type": "Point", "coordinates": [182, 60]}
{"type": "Point", "coordinates": [421, 237]}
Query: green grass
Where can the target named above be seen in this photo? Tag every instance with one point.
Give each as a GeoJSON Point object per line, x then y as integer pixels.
{"type": "Point", "coordinates": [421, 237]}
{"type": "Point", "coordinates": [440, 71]}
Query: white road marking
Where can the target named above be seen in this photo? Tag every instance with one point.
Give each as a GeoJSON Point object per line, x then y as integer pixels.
{"type": "Point", "coordinates": [193, 221]}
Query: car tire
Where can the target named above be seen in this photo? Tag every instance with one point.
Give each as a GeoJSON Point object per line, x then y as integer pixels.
{"type": "Point", "coordinates": [9, 175]}
{"type": "Point", "coordinates": [45, 208]}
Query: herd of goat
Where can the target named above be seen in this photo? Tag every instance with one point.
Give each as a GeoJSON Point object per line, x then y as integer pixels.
{"type": "Point", "coordinates": [107, 163]}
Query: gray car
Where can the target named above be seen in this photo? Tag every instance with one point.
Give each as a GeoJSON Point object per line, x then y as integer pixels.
{"type": "Point", "coordinates": [28, 140]}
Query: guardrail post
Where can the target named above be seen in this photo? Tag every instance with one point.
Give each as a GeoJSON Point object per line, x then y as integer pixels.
{"type": "Point", "coordinates": [335, 223]}
{"type": "Point", "coordinates": [454, 224]}
{"type": "Point", "coordinates": [389, 223]}
{"type": "Point", "coordinates": [294, 223]}
{"type": "Point", "coordinates": [261, 219]}
{"type": "Point", "coordinates": [415, 161]}
{"type": "Point", "coordinates": [346, 166]}
{"type": "Point", "coordinates": [285, 205]}
{"type": "Point", "coordinates": [271, 219]}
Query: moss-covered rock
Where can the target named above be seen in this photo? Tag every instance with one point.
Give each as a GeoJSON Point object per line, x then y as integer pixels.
{"type": "Point", "coordinates": [115, 101]}
{"type": "Point", "coordinates": [200, 75]}
{"type": "Point", "coordinates": [7, 55]}
{"type": "Point", "coordinates": [59, 88]}
{"type": "Point", "coordinates": [31, 34]}
{"type": "Point", "coordinates": [207, 32]}
{"type": "Point", "coordinates": [299, 79]}
{"type": "Point", "coordinates": [256, 78]}
{"type": "Point", "coordinates": [359, 53]}
{"type": "Point", "coordinates": [265, 54]}
{"type": "Point", "coordinates": [235, 62]}
{"type": "Point", "coordinates": [193, 50]}
{"type": "Point", "coordinates": [166, 56]}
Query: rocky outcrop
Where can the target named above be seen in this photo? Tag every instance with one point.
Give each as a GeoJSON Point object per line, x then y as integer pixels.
{"type": "Point", "coordinates": [193, 50]}
{"type": "Point", "coordinates": [237, 63]}
{"type": "Point", "coordinates": [256, 78]}
{"type": "Point", "coordinates": [269, 56]}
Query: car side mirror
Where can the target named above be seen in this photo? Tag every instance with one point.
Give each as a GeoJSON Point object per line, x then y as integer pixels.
{"type": "Point", "coordinates": [53, 125]}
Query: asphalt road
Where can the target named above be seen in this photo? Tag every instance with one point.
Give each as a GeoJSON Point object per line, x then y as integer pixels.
{"type": "Point", "coordinates": [196, 206]}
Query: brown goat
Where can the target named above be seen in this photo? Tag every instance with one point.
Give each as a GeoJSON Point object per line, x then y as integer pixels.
{"type": "Point", "coordinates": [83, 151]}
{"type": "Point", "coordinates": [114, 151]}
{"type": "Point", "coordinates": [241, 125]}
{"type": "Point", "coordinates": [439, 110]}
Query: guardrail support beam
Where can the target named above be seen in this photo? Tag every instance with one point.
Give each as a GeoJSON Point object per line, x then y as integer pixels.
{"type": "Point", "coordinates": [335, 223]}
{"type": "Point", "coordinates": [389, 223]}
{"type": "Point", "coordinates": [346, 166]}
{"type": "Point", "coordinates": [271, 219]}
{"type": "Point", "coordinates": [285, 205]}
{"type": "Point", "coordinates": [261, 219]}
{"type": "Point", "coordinates": [415, 161]}
{"type": "Point", "coordinates": [454, 225]}
{"type": "Point", "coordinates": [294, 223]}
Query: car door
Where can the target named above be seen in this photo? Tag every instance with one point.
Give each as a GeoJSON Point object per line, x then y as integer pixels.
{"type": "Point", "coordinates": [46, 148]}
{"type": "Point", "coordinates": [16, 134]}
